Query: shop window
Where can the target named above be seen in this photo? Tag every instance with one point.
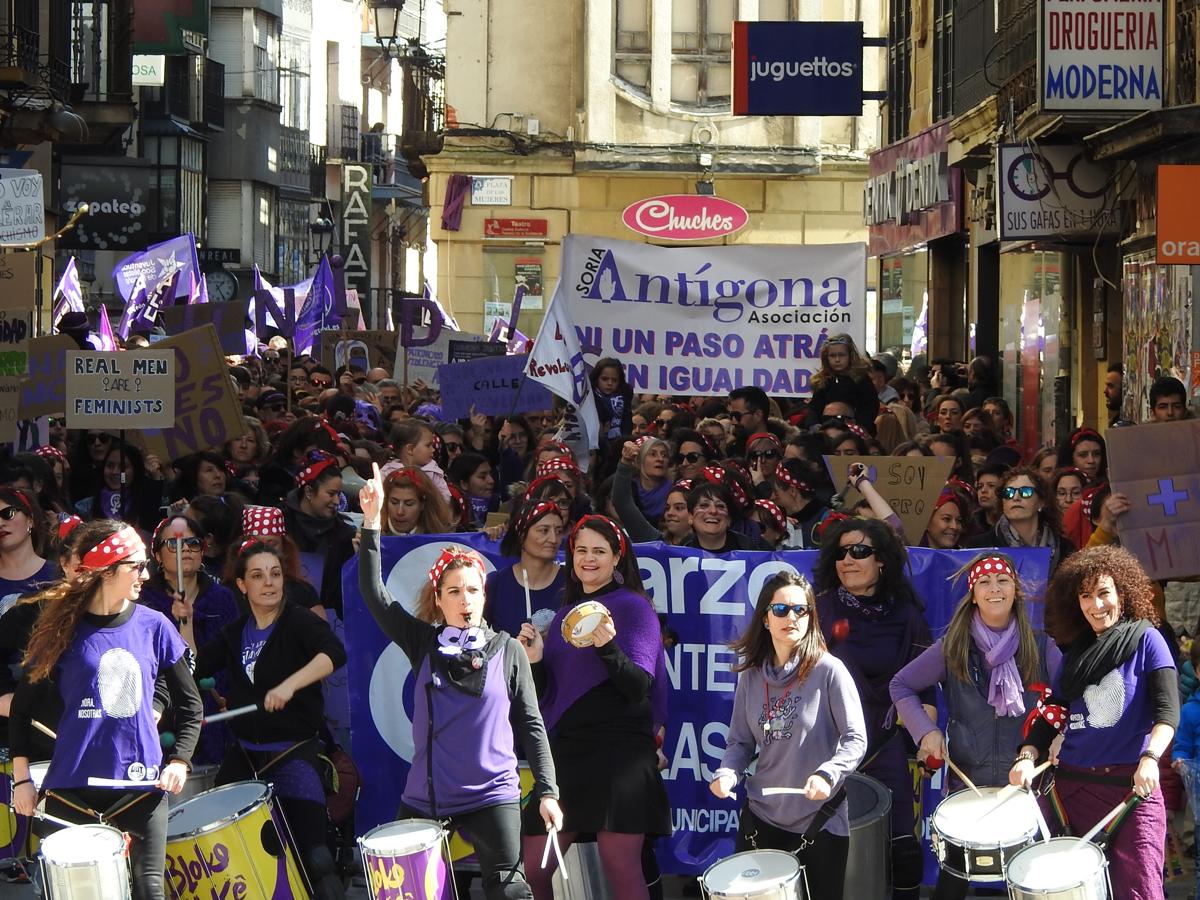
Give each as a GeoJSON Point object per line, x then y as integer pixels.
{"type": "Point", "coordinates": [903, 291]}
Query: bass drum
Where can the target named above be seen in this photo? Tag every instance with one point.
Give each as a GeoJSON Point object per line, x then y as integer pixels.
{"type": "Point", "coordinates": [869, 862]}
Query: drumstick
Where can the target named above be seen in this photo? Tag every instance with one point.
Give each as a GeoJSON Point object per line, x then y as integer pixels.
{"type": "Point", "coordinates": [53, 819]}
{"type": "Point", "coordinates": [562, 866]}
{"type": "Point", "coordinates": [528, 600]}
{"type": "Point", "coordinates": [229, 714]}
{"type": "Point", "coordinates": [44, 730]}
{"type": "Point", "coordinates": [178, 526]}
{"type": "Point", "coordinates": [1009, 791]}
{"type": "Point", "coordinates": [93, 781]}
{"type": "Point", "coordinates": [1108, 817]}
{"type": "Point", "coordinates": [959, 772]}
{"type": "Point", "coordinates": [771, 792]}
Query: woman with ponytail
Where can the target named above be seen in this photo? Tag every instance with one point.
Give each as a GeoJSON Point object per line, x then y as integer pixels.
{"type": "Point", "coordinates": [103, 651]}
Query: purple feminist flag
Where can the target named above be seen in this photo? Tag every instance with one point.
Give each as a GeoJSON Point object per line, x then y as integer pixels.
{"type": "Point", "coordinates": [158, 264]}
{"type": "Point", "coordinates": [199, 293]}
{"type": "Point", "coordinates": [275, 307]}
{"type": "Point", "coordinates": [317, 309]}
{"type": "Point", "coordinates": [133, 308]}
{"type": "Point", "coordinates": [104, 340]}
{"type": "Point", "coordinates": [68, 296]}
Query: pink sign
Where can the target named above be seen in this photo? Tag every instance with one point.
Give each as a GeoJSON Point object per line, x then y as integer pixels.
{"type": "Point", "coordinates": [685, 217]}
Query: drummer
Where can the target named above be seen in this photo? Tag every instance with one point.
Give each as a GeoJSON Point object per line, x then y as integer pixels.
{"type": "Point", "coordinates": [796, 706]}
{"type": "Point", "coordinates": [1119, 694]}
{"type": "Point", "coordinates": [477, 690]}
{"type": "Point", "coordinates": [603, 705]}
{"type": "Point", "coordinates": [986, 664]}
{"type": "Point", "coordinates": [274, 658]}
{"type": "Point", "coordinates": [103, 651]}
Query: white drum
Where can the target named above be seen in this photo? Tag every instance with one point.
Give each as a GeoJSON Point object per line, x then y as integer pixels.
{"type": "Point", "coordinates": [755, 875]}
{"type": "Point", "coordinates": [85, 862]}
{"type": "Point", "coordinates": [977, 848]}
{"type": "Point", "coordinates": [1059, 869]}
{"type": "Point", "coordinates": [37, 774]}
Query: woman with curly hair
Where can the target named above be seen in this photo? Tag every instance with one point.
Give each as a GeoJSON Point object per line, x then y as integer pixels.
{"type": "Point", "coordinates": [413, 504]}
{"type": "Point", "coordinates": [844, 377]}
{"type": "Point", "coordinates": [1116, 701]}
{"type": "Point", "coordinates": [987, 664]}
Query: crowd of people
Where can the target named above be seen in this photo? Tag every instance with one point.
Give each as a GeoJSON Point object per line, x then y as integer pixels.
{"type": "Point", "coordinates": [140, 595]}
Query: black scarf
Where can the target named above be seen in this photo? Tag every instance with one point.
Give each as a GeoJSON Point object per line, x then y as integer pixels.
{"type": "Point", "coordinates": [467, 670]}
{"type": "Point", "coordinates": [1088, 658]}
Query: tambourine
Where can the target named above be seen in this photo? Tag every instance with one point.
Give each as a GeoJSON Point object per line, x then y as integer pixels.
{"type": "Point", "coordinates": [579, 624]}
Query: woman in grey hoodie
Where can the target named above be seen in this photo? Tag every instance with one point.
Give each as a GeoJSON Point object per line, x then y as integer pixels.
{"type": "Point", "coordinates": [798, 706]}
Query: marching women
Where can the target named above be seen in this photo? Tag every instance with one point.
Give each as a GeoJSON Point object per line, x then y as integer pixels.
{"type": "Point", "coordinates": [986, 663]}
{"type": "Point", "coordinates": [474, 689]}
{"type": "Point", "coordinates": [603, 705]}
{"type": "Point", "coordinates": [104, 652]}
{"type": "Point", "coordinates": [1116, 701]}
{"type": "Point", "coordinates": [797, 708]}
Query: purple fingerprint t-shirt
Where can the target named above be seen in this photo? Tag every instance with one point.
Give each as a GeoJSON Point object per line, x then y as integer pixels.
{"type": "Point", "coordinates": [253, 640]}
{"type": "Point", "coordinates": [1110, 724]}
{"type": "Point", "coordinates": [106, 679]}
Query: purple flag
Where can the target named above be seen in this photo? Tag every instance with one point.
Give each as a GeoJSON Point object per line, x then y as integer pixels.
{"type": "Point", "coordinates": [158, 264]}
{"type": "Point", "coordinates": [318, 306]}
{"type": "Point", "coordinates": [199, 293]}
{"type": "Point", "coordinates": [275, 307]}
{"type": "Point", "coordinates": [133, 308]}
{"type": "Point", "coordinates": [104, 340]}
{"type": "Point", "coordinates": [68, 296]}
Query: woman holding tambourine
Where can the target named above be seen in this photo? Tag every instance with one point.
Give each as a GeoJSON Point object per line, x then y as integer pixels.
{"type": "Point", "coordinates": [603, 674]}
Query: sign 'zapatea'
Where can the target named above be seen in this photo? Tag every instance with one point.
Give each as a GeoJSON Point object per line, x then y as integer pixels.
{"type": "Point", "coordinates": [1101, 55]}
{"type": "Point", "coordinates": [705, 320]}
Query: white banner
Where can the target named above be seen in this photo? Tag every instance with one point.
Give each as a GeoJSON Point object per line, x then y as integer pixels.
{"type": "Point", "coordinates": [705, 320]}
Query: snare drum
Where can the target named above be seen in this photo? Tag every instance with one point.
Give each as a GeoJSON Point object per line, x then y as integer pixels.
{"type": "Point", "coordinates": [580, 622]}
{"type": "Point", "coordinates": [406, 859]}
{"type": "Point", "coordinates": [230, 835]}
{"type": "Point", "coordinates": [977, 848]}
{"type": "Point", "coordinates": [199, 780]}
{"type": "Point", "coordinates": [755, 875]}
{"type": "Point", "coordinates": [85, 862]}
{"type": "Point", "coordinates": [1059, 869]}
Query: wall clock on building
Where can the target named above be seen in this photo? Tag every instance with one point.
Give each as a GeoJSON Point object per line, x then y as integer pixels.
{"type": "Point", "coordinates": [222, 285]}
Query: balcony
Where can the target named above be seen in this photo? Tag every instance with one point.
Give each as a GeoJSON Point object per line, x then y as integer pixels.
{"type": "Point", "coordinates": [192, 92]}
{"type": "Point", "coordinates": [1015, 68]}
{"type": "Point", "coordinates": [294, 160]}
{"type": "Point", "coordinates": [344, 131]}
{"type": "Point", "coordinates": [1187, 31]}
{"type": "Point", "coordinates": [18, 57]}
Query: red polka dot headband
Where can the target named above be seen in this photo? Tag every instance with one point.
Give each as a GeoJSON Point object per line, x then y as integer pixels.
{"type": "Point", "coordinates": [48, 452]}
{"type": "Point", "coordinates": [540, 481]}
{"type": "Point", "coordinates": [531, 514]}
{"type": "Point", "coordinates": [119, 545]}
{"type": "Point", "coordinates": [1086, 434]}
{"type": "Point", "coordinates": [784, 475]}
{"type": "Point", "coordinates": [683, 485]}
{"type": "Point", "coordinates": [263, 521]}
{"type": "Point", "coordinates": [762, 436]}
{"type": "Point", "coordinates": [778, 520]}
{"type": "Point", "coordinates": [595, 519]}
{"type": "Point", "coordinates": [66, 524]}
{"type": "Point", "coordinates": [856, 429]}
{"type": "Point", "coordinates": [450, 555]}
{"type": "Point", "coordinates": [314, 468]}
{"type": "Point", "coordinates": [717, 475]}
{"type": "Point", "coordinates": [989, 565]}
{"type": "Point", "coordinates": [559, 464]}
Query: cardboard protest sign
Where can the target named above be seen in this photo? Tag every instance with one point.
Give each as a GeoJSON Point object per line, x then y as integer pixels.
{"type": "Point", "coordinates": [493, 385]}
{"type": "Point", "coordinates": [1158, 468]}
{"type": "Point", "coordinates": [909, 484]}
{"type": "Point", "coordinates": [43, 393]}
{"type": "Point", "coordinates": [18, 280]}
{"type": "Point", "coordinates": [421, 362]}
{"type": "Point", "coordinates": [16, 330]}
{"type": "Point", "coordinates": [10, 394]}
{"type": "Point", "coordinates": [207, 412]}
{"type": "Point", "coordinates": [31, 434]}
{"type": "Point", "coordinates": [365, 349]}
{"type": "Point", "coordinates": [116, 389]}
{"type": "Point", "coordinates": [229, 318]}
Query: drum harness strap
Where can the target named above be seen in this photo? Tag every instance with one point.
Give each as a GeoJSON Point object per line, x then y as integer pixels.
{"type": "Point", "coordinates": [824, 814]}
{"type": "Point", "coordinates": [1109, 832]}
{"type": "Point", "coordinates": [277, 759]}
{"type": "Point", "coordinates": [119, 808]}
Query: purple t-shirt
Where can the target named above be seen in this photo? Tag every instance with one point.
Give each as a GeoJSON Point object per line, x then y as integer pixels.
{"type": "Point", "coordinates": [106, 679]}
{"type": "Point", "coordinates": [253, 640]}
{"type": "Point", "coordinates": [1110, 724]}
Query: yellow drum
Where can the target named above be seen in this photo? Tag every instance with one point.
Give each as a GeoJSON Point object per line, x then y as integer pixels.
{"type": "Point", "coordinates": [580, 622]}
{"type": "Point", "coordinates": [17, 840]}
{"type": "Point", "coordinates": [230, 842]}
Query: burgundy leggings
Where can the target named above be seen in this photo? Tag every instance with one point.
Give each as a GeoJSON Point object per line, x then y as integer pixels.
{"type": "Point", "coordinates": [620, 855]}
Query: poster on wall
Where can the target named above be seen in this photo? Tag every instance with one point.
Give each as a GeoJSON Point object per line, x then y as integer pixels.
{"type": "Point", "coordinates": [1157, 329]}
{"type": "Point", "coordinates": [528, 274]}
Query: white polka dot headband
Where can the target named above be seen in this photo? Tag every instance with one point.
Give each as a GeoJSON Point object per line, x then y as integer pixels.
{"type": "Point", "coordinates": [117, 546]}
{"type": "Point", "coordinates": [989, 565]}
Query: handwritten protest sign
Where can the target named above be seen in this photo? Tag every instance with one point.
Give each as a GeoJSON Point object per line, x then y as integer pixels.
{"type": "Point", "coordinates": [494, 385]}
{"type": "Point", "coordinates": [16, 330]}
{"type": "Point", "coordinates": [207, 413]}
{"type": "Point", "coordinates": [229, 318]}
{"type": "Point", "coordinates": [365, 350]}
{"type": "Point", "coordinates": [10, 394]}
{"type": "Point", "coordinates": [1158, 468]}
{"type": "Point", "coordinates": [422, 362]}
{"type": "Point", "coordinates": [909, 484]}
{"type": "Point", "coordinates": [31, 434]}
{"type": "Point", "coordinates": [44, 392]}
{"type": "Point", "coordinates": [22, 210]}
{"type": "Point", "coordinates": [121, 390]}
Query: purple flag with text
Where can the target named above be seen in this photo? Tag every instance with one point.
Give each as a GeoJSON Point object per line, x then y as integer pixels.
{"type": "Point", "coordinates": [158, 264]}
{"type": "Point", "coordinates": [68, 296]}
{"type": "Point", "coordinates": [317, 309]}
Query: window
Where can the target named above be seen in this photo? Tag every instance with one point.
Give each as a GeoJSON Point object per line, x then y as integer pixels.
{"type": "Point", "coordinates": [293, 82]}
{"type": "Point", "coordinates": [701, 36]}
{"type": "Point", "coordinates": [266, 57]}
{"type": "Point", "coordinates": [943, 58]}
{"type": "Point", "coordinates": [291, 261]}
{"type": "Point", "coordinates": [633, 43]}
{"type": "Point", "coordinates": [899, 82]}
{"type": "Point", "coordinates": [778, 10]}
{"type": "Point", "coordinates": [191, 186]}
{"type": "Point", "coordinates": [264, 227]}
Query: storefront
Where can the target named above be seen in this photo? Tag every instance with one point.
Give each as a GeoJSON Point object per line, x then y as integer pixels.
{"type": "Point", "coordinates": [912, 206]}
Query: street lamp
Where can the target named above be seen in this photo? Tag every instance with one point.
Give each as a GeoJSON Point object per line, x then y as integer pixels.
{"type": "Point", "coordinates": [322, 232]}
{"type": "Point", "coordinates": [387, 20]}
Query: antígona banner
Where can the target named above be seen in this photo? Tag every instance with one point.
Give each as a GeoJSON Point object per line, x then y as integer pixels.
{"type": "Point", "coordinates": [706, 320]}
{"type": "Point", "coordinates": [706, 601]}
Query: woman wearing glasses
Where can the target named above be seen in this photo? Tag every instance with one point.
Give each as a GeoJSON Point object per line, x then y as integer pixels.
{"type": "Point", "coordinates": [763, 452]}
{"type": "Point", "coordinates": [986, 664]}
{"type": "Point", "coordinates": [844, 377]}
{"type": "Point", "coordinates": [874, 622]}
{"type": "Point", "coordinates": [693, 451]}
{"type": "Point", "coordinates": [103, 651]}
{"type": "Point", "coordinates": [796, 708]}
{"type": "Point", "coordinates": [535, 582]}
{"type": "Point", "coordinates": [1028, 518]}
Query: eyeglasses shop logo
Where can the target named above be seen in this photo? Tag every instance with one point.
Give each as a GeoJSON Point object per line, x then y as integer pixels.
{"type": "Point", "coordinates": [817, 67]}
{"type": "Point", "coordinates": [113, 207]}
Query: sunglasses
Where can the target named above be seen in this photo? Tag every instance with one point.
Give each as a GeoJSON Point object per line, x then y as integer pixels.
{"type": "Point", "coordinates": [662, 423]}
{"type": "Point", "coordinates": [688, 458]}
{"type": "Point", "coordinates": [321, 384]}
{"type": "Point", "coordinates": [452, 447]}
{"type": "Point", "coordinates": [139, 567]}
{"type": "Point", "coordinates": [277, 407]}
{"type": "Point", "coordinates": [9, 513]}
{"type": "Point", "coordinates": [762, 454]}
{"type": "Point", "coordinates": [189, 543]}
{"type": "Point", "coordinates": [56, 423]}
{"type": "Point", "coordinates": [98, 438]}
{"type": "Point", "coordinates": [783, 610]}
{"type": "Point", "coordinates": [1010, 493]}
{"type": "Point", "coordinates": [736, 416]}
{"type": "Point", "coordinates": [854, 551]}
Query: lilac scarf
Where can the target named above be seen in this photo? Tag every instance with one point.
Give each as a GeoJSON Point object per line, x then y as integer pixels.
{"type": "Point", "coordinates": [653, 502]}
{"type": "Point", "coordinates": [573, 671]}
{"type": "Point", "coordinates": [1000, 651]}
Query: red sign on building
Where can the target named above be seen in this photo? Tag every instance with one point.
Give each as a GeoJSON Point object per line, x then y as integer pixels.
{"type": "Point", "coordinates": [516, 228]}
